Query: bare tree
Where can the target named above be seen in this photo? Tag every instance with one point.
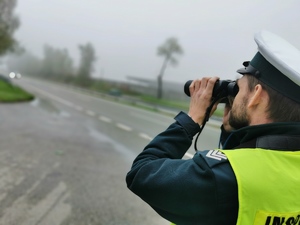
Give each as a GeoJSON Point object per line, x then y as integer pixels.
{"type": "Point", "coordinates": [168, 50]}
{"type": "Point", "coordinates": [8, 24]}
{"type": "Point", "coordinates": [86, 67]}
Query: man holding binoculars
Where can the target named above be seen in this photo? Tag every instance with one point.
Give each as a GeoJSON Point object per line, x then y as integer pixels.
{"type": "Point", "coordinates": [255, 178]}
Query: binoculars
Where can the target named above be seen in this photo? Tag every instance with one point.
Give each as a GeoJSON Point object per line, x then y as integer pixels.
{"type": "Point", "coordinates": [222, 89]}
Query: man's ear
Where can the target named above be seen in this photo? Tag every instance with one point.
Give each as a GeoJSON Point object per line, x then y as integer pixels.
{"type": "Point", "coordinates": [256, 96]}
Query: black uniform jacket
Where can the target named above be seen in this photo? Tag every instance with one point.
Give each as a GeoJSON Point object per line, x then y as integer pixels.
{"type": "Point", "coordinates": [201, 190]}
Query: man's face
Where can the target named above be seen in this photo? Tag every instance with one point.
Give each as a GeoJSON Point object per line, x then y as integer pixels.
{"type": "Point", "coordinates": [238, 116]}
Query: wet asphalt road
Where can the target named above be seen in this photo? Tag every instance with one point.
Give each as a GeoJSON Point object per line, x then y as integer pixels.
{"type": "Point", "coordinates": [64, 157]}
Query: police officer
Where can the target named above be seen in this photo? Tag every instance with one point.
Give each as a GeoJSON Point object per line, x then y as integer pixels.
{"type": "Point", "coordinates": [256, 177]}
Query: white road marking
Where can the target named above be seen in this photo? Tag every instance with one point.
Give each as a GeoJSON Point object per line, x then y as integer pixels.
{"type": "Point", "coordinates": [90, 113]}
{"type": "Point", "coordinates": [145, 136]}
{"type": "Point", "coordinates": [43, 211]}
{"type": "Point", "coordinates": [124, 127]}
{"type": "Point", "coordinates": [105, 119]}
{"type": "Point", "coordinates": [60, 212]}
{"type": "Point", "coordinates": [18, 212]}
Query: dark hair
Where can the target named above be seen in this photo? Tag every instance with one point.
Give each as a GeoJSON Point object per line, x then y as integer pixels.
{"type": "Point", "coordinates": [280, 108]}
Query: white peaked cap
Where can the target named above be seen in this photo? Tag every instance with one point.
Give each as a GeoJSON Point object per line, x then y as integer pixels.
{"type": "Point", "coordinates": [281, 54]}
{"type": "Point", "coordinates": [277, 64]}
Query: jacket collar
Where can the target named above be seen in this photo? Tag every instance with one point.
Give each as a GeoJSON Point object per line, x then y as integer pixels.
{"type": "Point", "coordinates": [254, 136]}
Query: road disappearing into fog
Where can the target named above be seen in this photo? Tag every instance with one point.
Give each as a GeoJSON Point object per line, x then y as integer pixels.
{"type": "Point", "coordinates": [65, 155]}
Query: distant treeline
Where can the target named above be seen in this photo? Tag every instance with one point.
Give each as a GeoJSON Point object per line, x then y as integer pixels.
{"type": "Point", "coordinates": [57, 65]}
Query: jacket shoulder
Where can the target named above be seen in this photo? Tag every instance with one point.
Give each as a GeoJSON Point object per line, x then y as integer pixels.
{"type": "Point", "coordinates": [212, 157]}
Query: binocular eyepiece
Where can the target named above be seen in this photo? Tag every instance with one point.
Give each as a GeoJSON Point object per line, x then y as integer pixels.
{"type": "Point", "coordinates": [222, 89]}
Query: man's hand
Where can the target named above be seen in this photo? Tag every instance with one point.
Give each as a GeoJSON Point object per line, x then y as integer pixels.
{"type": "Point", "coordinates": [201, 94]}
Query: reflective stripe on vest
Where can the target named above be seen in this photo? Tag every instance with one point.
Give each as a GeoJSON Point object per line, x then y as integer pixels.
{"type": "Point", "coordinates": [268, 186]}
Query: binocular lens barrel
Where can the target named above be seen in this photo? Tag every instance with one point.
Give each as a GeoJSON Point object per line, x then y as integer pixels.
{"type": "Point", "coordinates": [187, 88]}
{"type": "Point", "coordinates": [222, 88]}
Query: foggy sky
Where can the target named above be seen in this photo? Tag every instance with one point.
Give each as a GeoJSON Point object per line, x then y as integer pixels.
{"type": "Point", "coordinates": [216, 35]}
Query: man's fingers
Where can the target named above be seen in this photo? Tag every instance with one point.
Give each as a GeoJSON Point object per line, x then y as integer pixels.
{"type": "Point", "coordinates": [206, 84]}
{"type": "Point", "coordinates": [194, 86]}
{"type": "Point", "coordinates": [211, 83]}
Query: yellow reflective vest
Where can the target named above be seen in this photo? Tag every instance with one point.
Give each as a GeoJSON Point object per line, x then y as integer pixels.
{"type": "Point", "coordinates": [268, 186]}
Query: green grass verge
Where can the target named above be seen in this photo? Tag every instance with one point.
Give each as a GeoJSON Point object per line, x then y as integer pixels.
{"type": "Point", "coordinates": [184, 105]}
{"type": "Point", "coordinates": [12, 93]}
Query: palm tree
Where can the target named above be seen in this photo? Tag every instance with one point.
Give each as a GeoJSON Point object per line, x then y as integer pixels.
{"type": "Point", "coordinates": [167, 50]}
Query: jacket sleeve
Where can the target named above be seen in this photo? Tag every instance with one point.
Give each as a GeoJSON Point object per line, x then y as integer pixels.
{"type": "Point", "coordinates": [176, 188]}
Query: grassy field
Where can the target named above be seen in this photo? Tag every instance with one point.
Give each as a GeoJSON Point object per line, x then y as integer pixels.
{"type": "Point", "coordinates": [184, 105]}
{"type": "Point", "coordinates": [12, 93]}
